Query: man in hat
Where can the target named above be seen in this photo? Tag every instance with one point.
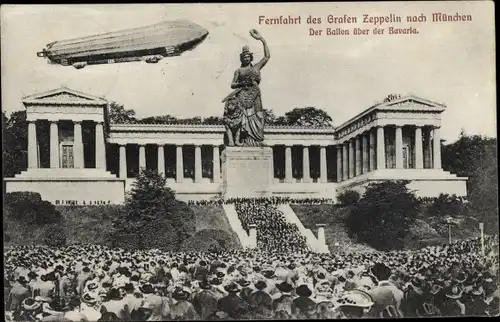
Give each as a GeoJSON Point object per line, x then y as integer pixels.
{"type": "Point", "coordinates": [303, 306]}
{"type": "Point", "coordinates": [18, 293]}
{"type": "Point", "coordinates": [82, 279]}
{"type": "Point", "coordinates": [73, 311]}
{"type": "Point", "coordinates": [181, 308]}
{"type": "Point", "coordinates": [66, 285]}
{"type": "Point", "coordinates": [28, 311]}
{"type": "Point", "coordinates": [114, 304]}
{"type": "Point", "coordinates": [261, 302]}
{"type": "Point", "coordinates": [246, 289]}
{"type": "Point", "coordinates": [159, 305]}
{"type": "Point", "coordinates": [205, 301]}
{"type": "Point", "coordinates": [232, 304]}
{"type": "Point", "coordinates": [47, 287]}
{"type": "Point", "coordinates": [91, 309]}
{"type": "Point", "coordinates": [131, 302]}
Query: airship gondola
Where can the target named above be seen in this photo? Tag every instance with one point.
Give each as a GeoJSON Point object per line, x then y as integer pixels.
{"type": "Point", "coordinates": [149, 44]}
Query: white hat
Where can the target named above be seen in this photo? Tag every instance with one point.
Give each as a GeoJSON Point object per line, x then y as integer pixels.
{"type": "Point", "coordinates": [356, 298]}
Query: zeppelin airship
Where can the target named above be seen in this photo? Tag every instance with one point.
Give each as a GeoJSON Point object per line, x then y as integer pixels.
{"type": "Point", "coordinates": [149, 44]}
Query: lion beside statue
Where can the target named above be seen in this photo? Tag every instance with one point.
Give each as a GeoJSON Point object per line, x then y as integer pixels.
{"type": "Point", "coordinates": [233, 121]}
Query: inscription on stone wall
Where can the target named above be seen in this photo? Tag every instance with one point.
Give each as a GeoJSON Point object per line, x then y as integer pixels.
{"type": "Point", "coordinates": [247, 172]}
{"type": "Point", "coordinates": [82, 202]}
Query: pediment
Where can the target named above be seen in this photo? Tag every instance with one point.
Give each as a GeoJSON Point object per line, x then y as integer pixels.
{"type": "Point", "coordinates": [412, 102]}
{"type": "Point", "coordinates": [63, 96]}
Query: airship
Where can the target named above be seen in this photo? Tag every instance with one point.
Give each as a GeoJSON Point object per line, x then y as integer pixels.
{"type": "Point", "coordinates": [150, 44]}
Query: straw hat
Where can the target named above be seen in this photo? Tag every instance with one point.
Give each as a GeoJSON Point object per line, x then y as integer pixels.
{"type": "Point", "coordinates": [30, 304]}
{"type": "Point", "coordinates": [90, 298]}
{"type": "Point", "coordinates": [232, 288]}
{"type": "Point", "coordinates": [355, 298]}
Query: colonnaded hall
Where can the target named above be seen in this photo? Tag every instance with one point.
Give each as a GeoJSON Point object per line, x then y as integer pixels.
{"type": "Point", "coordinates": [76, 156]}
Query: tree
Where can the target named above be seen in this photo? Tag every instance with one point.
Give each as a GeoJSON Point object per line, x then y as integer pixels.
{"type": "Point", "coordinates": [15, 143]}
{"type": "Point", "coordinates": [308, 116]}
{"type": "Point", "coordinates": [152, 213]}
{"type": "Point", "coordinates": [55, 237]}
{"type": "Point", "coordinates": [348, 197]}
{"type": "Point", "coordinates": [269, 117]}
{"type": "Point", "coordinates": [383, 216]}
{"type": "Point", "coordinates": [213, 120]}
{"type": "Point", "coordinates": [149, 197]}
{"type": "Point", "coordinates": [119, 115]}
{"type": "Point", "coordinates": [445, 205]}
{"type": "Point", "coordinates": [29, 208]}
{"type": "Point", "coordinates": [190, 120]}
{"type": "Point", "coordinates": [281, 121]}
{"type": "Point", "coordinates": [475, 157]}
{"type": "Point", "coordinates": [162, 119]}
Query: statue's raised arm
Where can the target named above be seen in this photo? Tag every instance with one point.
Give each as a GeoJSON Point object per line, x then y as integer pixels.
{"type": "Point", "coordinates": [267, 54]}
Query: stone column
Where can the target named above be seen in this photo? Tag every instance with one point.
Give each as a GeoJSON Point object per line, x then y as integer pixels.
{"type": "Point", "coordinates": [419, 152]}
{"type": "Point", "coordinates": [100, 147]}
{"type": "Point", "coordinates": [54, 145]}
{"type": "Point", "coordinates": [364, 149]}
{"type": "Point", "coordinates": [161, 160]}
{"type": "Point", "coordinates": [123, 162]}
{"type": "Point", "coordinates": [399, 147]}
{"type": "Point", "coordinates": [306, 169]}
{"type": "Point", "coordinates": [32, 146]}
{"type": "Point", "coordinates": [252, 230]}
{"type": "Point", "coordinates": [179, 172]}
{"type": "Point", "coordinates": [380, 148]}
{"type": "Point", "coordinates": [351, 159]}
{"type": "Point", "coordinates": [142, 156]}
{"type": "Point", "coordinates": [197, 164]}
{"type": "Point", "coordinates": [339, 163]}
{"type": "Point", "coordinates": [371, 165]}
{"type": "Point", "coordinates": [323, 165]}
{"type": "Point", "coordinates": [358, 156]}
{"type": "Point", "coordinates": [78, 145]}
{"type": "Point", "coordinates": [429, 149]}
{"type": "Point", "coordinates": [288, 164]}
{"type": "Point", "coordinates": [345, 162]}
{"type": "Point", "coordinates": [436, 149]}
{"type": "Point", "coordinates": [321, 234]}
{"type": "Point", "coordinates": [216, 165]}
{"type": "Point", "coordinates": [272, 164]}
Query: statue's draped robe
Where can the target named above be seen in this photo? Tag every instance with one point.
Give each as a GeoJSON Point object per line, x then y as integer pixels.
{"type": "Point", "coordinates": [249, 99]}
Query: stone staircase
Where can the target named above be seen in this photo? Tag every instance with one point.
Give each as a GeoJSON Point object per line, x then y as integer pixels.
{"type": "Point", "coordinates": [313, 243]}
{"type": "Point", "coordinates": [234, 221]}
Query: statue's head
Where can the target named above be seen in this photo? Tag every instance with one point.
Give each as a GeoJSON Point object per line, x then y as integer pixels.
{"type": "Point", "coordinates": [246, 57]}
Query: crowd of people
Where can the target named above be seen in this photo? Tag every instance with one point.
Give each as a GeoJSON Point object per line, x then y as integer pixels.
{"type": "Point", "coordinates": [428, 200]}
{"type": "Point", "coordinates": [274, 233]}
{"type": "Point", "coordinates": [269, 200]}
{"type": "Point", "coordinates": [95, 283]}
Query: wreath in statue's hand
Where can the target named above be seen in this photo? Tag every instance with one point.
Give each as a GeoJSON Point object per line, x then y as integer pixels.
{"type": "Point", "coordinates": [255, 34]}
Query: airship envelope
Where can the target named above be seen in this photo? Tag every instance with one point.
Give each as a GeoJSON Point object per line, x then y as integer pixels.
{"type": "Point", "coordinates": [149, 44]}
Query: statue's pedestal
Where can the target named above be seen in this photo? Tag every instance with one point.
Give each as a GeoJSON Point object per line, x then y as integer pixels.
{"type": "Point", "coordinates": [247, 172]}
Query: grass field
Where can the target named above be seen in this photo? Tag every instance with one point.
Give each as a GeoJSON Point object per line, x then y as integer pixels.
{"type": "Point", "coordinates": [425, 231]}
{"type": "Point", "coordinates": [335, 231]}
{"type": "Point", "coordinates": [91, 224]}
{"type": "Point", "coordinates": [213, 217]}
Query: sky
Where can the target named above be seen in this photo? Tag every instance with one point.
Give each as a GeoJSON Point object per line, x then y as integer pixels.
{"type": "Point", "coordinates": [451, 63]}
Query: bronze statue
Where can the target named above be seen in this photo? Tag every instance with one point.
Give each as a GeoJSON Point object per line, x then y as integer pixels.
{"type": "Point", "coordinates": [243, 112]}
